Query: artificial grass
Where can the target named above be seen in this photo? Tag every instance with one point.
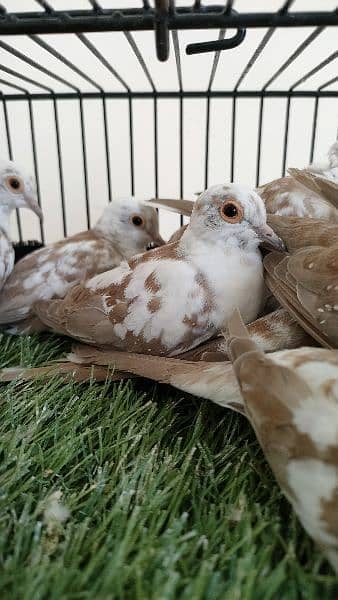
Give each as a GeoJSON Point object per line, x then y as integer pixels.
{"type": "Point", "coordinates": [168, 496]}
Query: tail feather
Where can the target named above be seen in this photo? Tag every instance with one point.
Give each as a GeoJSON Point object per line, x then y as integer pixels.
{"type": "Point", "coordinates": [211, 380]}
{"type": "Point", "coordinates": [239, 342]}
{"type": "Point", "coordinates": [66, 370]}
{"type": "Point", "coordinates": [182, 207]}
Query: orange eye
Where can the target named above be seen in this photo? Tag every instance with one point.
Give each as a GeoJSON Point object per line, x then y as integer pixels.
{"type": "Point", "coordinates": [232, 212]}
{"type": "Point", "coordinates": [137, 221]}
{"type": "Point", "coordinates": [14, 184]}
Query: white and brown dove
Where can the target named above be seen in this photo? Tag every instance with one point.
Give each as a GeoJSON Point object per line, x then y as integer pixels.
{"type": "Point", "coordinates": [171, 299]}
{"type": "Point", "coordinates": [17, 190]}
{"type": "Point", "coordinates": [291, 399]}
{"type": "Point", "coordinates": [126, 227]}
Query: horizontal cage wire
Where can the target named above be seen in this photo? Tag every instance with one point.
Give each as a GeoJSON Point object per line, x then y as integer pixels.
{"type": "Point", "coordinates": [87, 105]}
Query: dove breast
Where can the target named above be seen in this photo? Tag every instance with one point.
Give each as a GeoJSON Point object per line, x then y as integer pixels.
{"type": "Point", "coordinates": [6, 258]}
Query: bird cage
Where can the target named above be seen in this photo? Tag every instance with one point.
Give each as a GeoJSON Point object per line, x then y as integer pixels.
{"type": "Point", "coordinates": [161, 99]}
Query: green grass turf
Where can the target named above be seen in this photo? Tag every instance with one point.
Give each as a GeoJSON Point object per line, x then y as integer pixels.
{"type": "Point", "coordinates": [169, 497]}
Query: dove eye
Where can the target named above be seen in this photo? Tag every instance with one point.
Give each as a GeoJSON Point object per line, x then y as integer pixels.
{"type": "Point", "coordinates": [14, 184]}
{"type": "Point", "coordinates": [231, 212]}
{"type": "Point", "coordinates": [137, 221]}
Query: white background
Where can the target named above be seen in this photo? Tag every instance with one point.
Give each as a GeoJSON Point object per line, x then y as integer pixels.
{"type": "Point", "coordinates": [196, 72]}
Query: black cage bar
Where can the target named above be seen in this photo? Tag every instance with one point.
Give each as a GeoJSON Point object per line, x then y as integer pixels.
{"type": "Point", "coordinates": [27, 79]}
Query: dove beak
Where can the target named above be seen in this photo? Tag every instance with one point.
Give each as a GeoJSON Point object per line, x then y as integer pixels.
{"type": "Point", "coordinates": [155, 243]}
{"type": "Point", "coordinates": [32, 203]}
{"type": "Point", "coordinates": [271, 240]}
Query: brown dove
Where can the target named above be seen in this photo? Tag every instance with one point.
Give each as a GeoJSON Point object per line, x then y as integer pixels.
{"type": "Point", "coordinates": [175, 297]}
{"type": "Point", "coordinates": [125, 228]}
{"type": "Point", "coordinates": [17, 190]}
{"type": "Point", "coordinates": [306, 284]}
{"type": "Point", "coordinates": [291, 399]}
{"type": "Point", "coordinates": [310, 192]}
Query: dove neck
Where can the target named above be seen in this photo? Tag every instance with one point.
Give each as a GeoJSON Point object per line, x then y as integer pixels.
{"type": "Point", "coordinates": [5, 212]}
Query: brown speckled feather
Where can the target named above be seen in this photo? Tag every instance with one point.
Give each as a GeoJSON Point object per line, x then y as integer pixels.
{"type": "Point", "coordinates": [288, 197]}
{"type": "Point", "coordinates": [51, 271]}
{"type": "Point", "coordinates": [275, 331]}
{"type": "Point", "coordinates": [306, 283]}
{"type": "Point", "coordinates": [291, 398]}
{"type": "Point", "coordinates": [300, 232]}
{"type": "Point", "coordinates": [322, 186]}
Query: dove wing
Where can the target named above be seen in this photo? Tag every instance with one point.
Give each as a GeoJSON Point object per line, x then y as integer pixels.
{"type": "Point", "coordinates": [300, 232]}
{"type": "Point", "coordinates": [291, 401]}
{"type": "Point", "coordinates": [52, 271]}
{"type": "Point", "coordinates": [322, 186]}
{"type": "Point", "coordinates": [306, 284]}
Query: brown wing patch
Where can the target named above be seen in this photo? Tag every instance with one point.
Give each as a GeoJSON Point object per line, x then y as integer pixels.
{"type": "Point", "coordinates": [302, 281]}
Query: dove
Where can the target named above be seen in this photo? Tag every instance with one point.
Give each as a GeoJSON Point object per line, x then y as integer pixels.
{"type": "Point", "coordinates": [171, 299]}
{"type": "Point", "coordinates": [126, 227]}
{"type": "Point", "coordinates": [291, 399]}
{"type": "Point", "coordinates": [17, 190]}
{"type": "Point", "coordinates": [306, 284]}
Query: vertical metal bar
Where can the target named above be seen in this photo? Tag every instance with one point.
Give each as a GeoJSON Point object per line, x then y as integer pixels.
{"type": "Point", "coordinates": [59, 153]}
{"type": "Point", "coordinates": [314, 129]}
{"type": "Point", "coordinates": [35, 161]}
{"type": "Point", "coordinates": [156, 146]}
{"type": "Point", "coordinates": [286, 135]}
{"type": "Point", "coordinates": [10, 153]}
{"type": "Point", "coordinates": [207, 131]}
{"type": "Point", "coordinates": [181, 154]}
{"type": "Point", "coordinates": [259, 140]}
{"type": "Point", "coordinates": [176, 45]}
{"type": "Point", "coordinates": [131, 140]}
{"type": "Point", "coordinates": [106, 142]}
{"type": "Point", "coordinates": [84, 156]}
{"type": "Point", "coordinates": [233, 137]}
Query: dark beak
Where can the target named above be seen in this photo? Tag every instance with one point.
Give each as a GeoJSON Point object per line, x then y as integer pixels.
{"type": "Point", "coordinates": [269, 238]}
{"type": "Point", "coordinates": [155, 244]}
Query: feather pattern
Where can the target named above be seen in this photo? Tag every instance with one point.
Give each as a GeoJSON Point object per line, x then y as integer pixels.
{"type": "Point", "coordinates": [53, 270]}
{"type": "Point", "coordinates": [291, 399]}
{"type": "Point", "coordinates": [131, 308]}
{"type": "Point", "coordinates": [306, 284]}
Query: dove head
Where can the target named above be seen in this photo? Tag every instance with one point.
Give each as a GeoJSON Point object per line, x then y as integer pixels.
{"type": "Point", "coordinates": [17, 189]}
{"type": "Point", "coordinates": [130, 225]}
{"type": "Point", "coordinates": [232, 214]}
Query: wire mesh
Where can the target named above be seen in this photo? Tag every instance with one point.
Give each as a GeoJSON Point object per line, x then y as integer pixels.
{"type": "Point", "coordinates": [104, 65]}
